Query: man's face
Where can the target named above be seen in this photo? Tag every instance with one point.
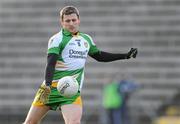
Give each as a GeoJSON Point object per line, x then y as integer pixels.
{"type": "Point", "coordinates": [71, 23]}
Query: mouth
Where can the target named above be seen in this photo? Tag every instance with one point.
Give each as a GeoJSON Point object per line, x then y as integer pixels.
{"type": "Point", "coordinates": [73, 29]}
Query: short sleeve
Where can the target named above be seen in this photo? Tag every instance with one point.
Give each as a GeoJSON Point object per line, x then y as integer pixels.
{"type": "Point", "coordinates": [93, 48]}
{"type": "Point", "coordinates": [54, 43]}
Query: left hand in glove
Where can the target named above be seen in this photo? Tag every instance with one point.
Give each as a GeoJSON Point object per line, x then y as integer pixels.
{"type": "Point", "coordinates": [132, 53]}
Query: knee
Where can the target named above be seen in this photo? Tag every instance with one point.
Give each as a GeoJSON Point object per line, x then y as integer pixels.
{"type": "Point", "coordinates": [76, 122]}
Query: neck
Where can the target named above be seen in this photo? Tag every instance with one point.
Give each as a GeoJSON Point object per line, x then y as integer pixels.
{"type": "Point", "coordinates": [75, 33]}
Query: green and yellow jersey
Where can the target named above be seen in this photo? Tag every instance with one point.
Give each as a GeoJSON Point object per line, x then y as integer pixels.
{"type": "Point", "coordinates": [72, 51]}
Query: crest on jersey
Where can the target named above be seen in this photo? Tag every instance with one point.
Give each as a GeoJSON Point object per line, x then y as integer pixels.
{"type": "Point", "coordinates": [86, 44]}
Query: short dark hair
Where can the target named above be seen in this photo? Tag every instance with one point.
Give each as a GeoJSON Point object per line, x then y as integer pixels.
{"type": "Point", "coordinates": [68, 10]}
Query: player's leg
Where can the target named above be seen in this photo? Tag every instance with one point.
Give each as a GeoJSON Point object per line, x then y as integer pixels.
{"type": "Point", "coordinates": [72, 113]}
{"type": "Point", "coordinates": [38, 108]}
{"type": "Point", "coordinates": [35, 114]}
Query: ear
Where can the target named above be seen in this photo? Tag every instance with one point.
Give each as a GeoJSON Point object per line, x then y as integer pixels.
{"type": "Point", "coordinates": [61, 22]}
{"type": "Point", "coordinates": [79, 21]}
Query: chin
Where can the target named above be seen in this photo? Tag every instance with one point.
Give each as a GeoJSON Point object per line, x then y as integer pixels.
{"type": "Point", "coordinates": [74, 31]}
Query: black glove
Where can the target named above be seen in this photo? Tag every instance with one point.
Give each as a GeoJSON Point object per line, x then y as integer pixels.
{"type": "Point", "coordinates": [132, 53]}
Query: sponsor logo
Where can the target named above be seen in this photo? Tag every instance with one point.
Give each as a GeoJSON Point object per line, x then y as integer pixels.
{"type": "Point", "coordinates": [78, 42]}
{"type": "Point", "coordinates": [78, 54]}
{"type": "Point", "coordinates": [72, 44]}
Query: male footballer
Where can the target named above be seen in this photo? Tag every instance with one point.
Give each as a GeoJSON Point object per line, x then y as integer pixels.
{"type": "Point", "coordinates": [66, 56]}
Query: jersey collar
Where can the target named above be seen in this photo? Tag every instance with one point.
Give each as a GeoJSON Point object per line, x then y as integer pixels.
{"type": "Point", "coordinates": [67, 33]}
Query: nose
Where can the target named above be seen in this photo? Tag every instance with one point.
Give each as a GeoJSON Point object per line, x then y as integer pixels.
{"type": "Point", "coordinates": [71, 22]}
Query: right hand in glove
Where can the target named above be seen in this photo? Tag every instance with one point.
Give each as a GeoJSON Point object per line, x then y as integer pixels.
{"type": "Point", "coordinates": [43, 93]}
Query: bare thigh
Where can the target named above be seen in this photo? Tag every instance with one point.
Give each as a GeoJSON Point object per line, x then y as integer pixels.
{"type": "Point", "coordinates": [35, 114]}
{"type": "Point", "coordinates": [72, 113]}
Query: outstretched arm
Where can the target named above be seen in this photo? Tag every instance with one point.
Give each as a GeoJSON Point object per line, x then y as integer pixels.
{"type": "Point", "coordinates": [108, 57]}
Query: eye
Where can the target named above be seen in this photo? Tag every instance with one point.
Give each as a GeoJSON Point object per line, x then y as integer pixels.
{"type": "Point", "coordinates": [74, 20]}
{"type": "Point", "coordinates": [67, 21]}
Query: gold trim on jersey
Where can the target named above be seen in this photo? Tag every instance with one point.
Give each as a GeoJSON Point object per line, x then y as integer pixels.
{"type": "Point", "coordinates": [60, 64]}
